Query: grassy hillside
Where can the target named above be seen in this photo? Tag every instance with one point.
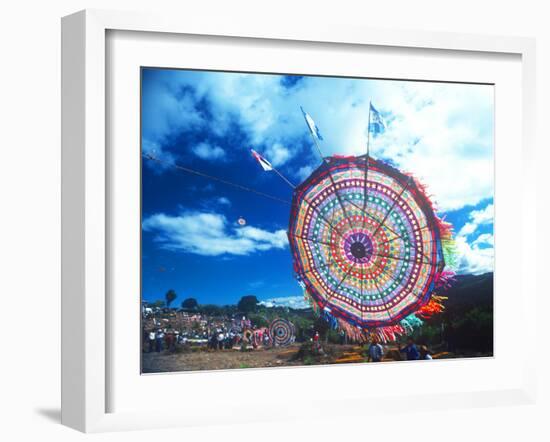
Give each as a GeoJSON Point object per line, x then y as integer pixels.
{"type": "Point", "coordinates": [466, 325]}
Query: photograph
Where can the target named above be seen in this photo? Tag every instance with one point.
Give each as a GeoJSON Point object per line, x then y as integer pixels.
{"type": "Point", "coordinates": [298, 220]}
{"type": "Point", "coordinates": [232, 219]}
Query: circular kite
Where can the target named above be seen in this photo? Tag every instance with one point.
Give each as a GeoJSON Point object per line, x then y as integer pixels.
{"type": "Point", "coordinates": [281, 332]}
{"type": "Point", "coordinates": [368, 246]}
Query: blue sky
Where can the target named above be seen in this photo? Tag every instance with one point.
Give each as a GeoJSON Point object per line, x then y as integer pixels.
{"type": "Point", "coordinates": [208, 121]}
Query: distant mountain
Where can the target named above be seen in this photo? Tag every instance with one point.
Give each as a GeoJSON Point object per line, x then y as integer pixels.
{"type": "Point", "coordinates": [294, 302]}
{"type": "Point", "coordinates": [466, 292]}
{"type": "Point", "coordinates": [469, 291]}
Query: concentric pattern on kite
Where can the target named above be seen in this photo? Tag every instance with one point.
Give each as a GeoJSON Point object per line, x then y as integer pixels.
{"type": "Point", "coordinates": [282, 332]}
{"type": "Point", "coordinates": [368, 246]}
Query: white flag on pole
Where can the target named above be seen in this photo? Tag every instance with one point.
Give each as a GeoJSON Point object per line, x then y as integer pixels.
{"type": "Point", "coordinates": [266, 165]}
{"type": "Point", "coordinates": [311, 124]}
{"type": "Point", "coordinates": [377, 124]}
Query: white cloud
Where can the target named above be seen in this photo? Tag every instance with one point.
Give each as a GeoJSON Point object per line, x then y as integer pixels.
{"type": "Point", "coordinates": [304, 171]}
{"type": "Point", "coordinates": [473, 259]}
{"type": "Point", "coordinates": [166, 111]}
{"type": "Point", "coordinates": [476, 219]}
{"type": "Point", "coordinates": [210, 234]}
{"type": "Point", "coordinates": [467, 229]}
{"type": "Point", "coordinates": [277, 154]}
{"type": "Point", "coordinates": [295, 302]}
{"type": "Point", "coordinates": [208, 152]}
{"type": "Point", "coordinates": [443, 133]}
{"type": "Point", "coordinates": [264, 240]}
{"type": "Point", "coordinates": [440, 132]}
{"type": "Point", "coordinates": [222, 200]}
{"type": "Point", "coordinates": [166, 159]}
{"type": "Point", "coordinates": [476, 256]}
{"type": "Point", "coordinates": [483, 216]}
{"type": "Point", "coordinates": [214, 203]}
{"type": "Point", "coordinates": [485, 239]}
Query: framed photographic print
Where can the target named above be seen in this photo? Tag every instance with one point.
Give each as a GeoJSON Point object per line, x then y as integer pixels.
{"type": "Point", "coordinates": [328, 252]}
{"type": "Point", "coordinates": [288, 210]}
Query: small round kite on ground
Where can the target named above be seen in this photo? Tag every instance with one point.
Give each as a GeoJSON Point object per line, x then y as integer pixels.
{"type": "Point", "coordinates": [282, 332]}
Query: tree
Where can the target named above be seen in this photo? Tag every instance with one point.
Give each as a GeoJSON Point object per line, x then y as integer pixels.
{"type": "Point", "coordinates": [189, 304]}
{"type": "Point", "coordinates": [159, 303]}
{"type": "Point", "coordinates": [248, 304]}
{"type": "Point", "coordinates": [170, 296]}
{"type": "Point", "coordinates": [211, 309]}
{"type": "Point", "coordinates": [321, 326]}
{"type": "Point", "coordinates": [259, 320]}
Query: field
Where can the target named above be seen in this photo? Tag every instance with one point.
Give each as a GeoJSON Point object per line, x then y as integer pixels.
{"type": "Point", "coordinates": [292, 355]}
{"type": "Point", "coordinates": [463, 330]}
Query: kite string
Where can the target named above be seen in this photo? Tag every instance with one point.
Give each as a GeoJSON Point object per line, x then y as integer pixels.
{"type": "Point", "coordinates": [211, 177]}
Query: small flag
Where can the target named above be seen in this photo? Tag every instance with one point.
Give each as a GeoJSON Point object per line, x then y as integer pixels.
{"type": "Point", "coordinates": [266, 165]}
{"type": "Point", "coordinates": [377, 125]}
{"type": "Point", "coordinates": [311, 124]}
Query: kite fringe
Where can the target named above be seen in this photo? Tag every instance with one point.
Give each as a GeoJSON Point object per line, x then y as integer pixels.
{"type": "Point", "coordinates": [433, 307]}
{"type": "Point", "coordinates": [311, 302]}
{"type": "Point", "coordinates": [446, 232]}
{"type": "Point", "coordinates": [392, 333]}
{"type": "Point", "coordinates": [445, 278]}
{"type": "Point", "coordinates": [448, 243]}
{"type": "Point", "coordinates": [411, 322]}
{"type": "Point", "coordinates": [385, 334]}
{"type": "Point", "coordinates": [423, 189]}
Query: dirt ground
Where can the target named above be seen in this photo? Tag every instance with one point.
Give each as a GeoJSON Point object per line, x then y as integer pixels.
{"type": "Point", "coordinates": [204, 359]}
{"type": "Point", "coordinates": [217, 359]}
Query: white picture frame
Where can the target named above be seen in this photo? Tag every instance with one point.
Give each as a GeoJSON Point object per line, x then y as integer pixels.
{"type": "Point", "coordinates": [86, 206]}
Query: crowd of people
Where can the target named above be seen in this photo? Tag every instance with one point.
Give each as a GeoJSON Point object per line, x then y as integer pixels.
{"type": "Point", "coordinates": [411, 351]}
{"type": "Point", "coordinates": [215, 333]}
{"type": "Point", "coordinates": [223, 333]}
{"type": "Point", "coordinates": [222, 338]}
{"type": "Point", "coordinates": [161, 339]}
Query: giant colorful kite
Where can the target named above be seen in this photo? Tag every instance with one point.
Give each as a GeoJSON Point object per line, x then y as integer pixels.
{"type": "Point", "coordinates": [368, 246]}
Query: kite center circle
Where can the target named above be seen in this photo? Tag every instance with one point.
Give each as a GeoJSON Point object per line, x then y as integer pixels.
{"type": "Point", "coordinates": [358, 250]}
{"type": "Point", "coordinates": [358, 247]}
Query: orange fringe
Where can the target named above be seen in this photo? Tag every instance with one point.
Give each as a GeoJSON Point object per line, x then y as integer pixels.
{"type": "Point", "coordinates": [433, 307]}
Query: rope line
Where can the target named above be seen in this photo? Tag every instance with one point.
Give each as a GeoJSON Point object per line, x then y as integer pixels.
{"type": "Point", "coordinates": [211, 177]}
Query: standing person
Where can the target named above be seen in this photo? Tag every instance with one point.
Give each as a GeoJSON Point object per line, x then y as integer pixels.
{"type": "Point", "coordinates": [213, 343]}
{"type": "Point", "coordinates": [159, 337]}
{"type": "Point", "coordinates": [316, 341]}
{"type": "Point", "coordinates": [375, 351]}
{"type": "Point", "coordinates": [170, 341]}
{"type": "Point", "coordinates": [144, 338]}
{"type": "Point", "coordinates": [152, 338]}
{"type": "Point", "coordinates": [167, 338]}
{"type": "Point", "coordinates": [410, 350]}
{"type": "Point", "coordinates": [425, 353]}
{"type": "Point", "coordinates": [220, 340]}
